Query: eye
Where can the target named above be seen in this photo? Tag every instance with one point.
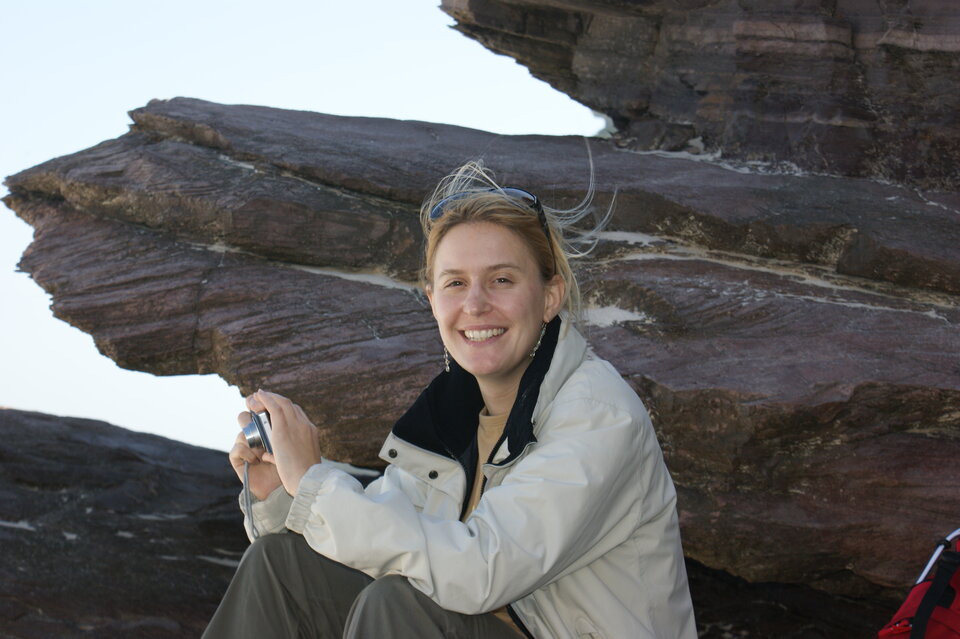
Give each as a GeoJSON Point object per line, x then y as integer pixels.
{"type": "Point", "coordinates": [503, 279]}
{"type": "Point", "coordinates": [453, 283]}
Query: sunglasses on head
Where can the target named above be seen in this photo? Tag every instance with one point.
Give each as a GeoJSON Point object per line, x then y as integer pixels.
{"type": "Point", "coordinates": [518, 194]}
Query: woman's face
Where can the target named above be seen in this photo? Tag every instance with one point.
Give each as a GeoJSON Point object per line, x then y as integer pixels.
{"type": "Point", "coordinates": [490, 301]}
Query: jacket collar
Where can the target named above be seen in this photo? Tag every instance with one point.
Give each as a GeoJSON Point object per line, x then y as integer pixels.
{"type": "Point", "coordinates": [443, 419]}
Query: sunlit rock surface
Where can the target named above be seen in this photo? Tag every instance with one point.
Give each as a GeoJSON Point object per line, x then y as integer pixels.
{"type": "Point", "coordinates": [199, 243]}
{"type": "Point", "coordinates": [851, 87]}
{"type": "Point", "coordinates": [795, 337]}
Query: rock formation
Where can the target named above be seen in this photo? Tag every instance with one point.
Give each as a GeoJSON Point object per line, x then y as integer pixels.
{"type": "Point", "coordinates": [110, 533]}
{"type": "Point", "coordinates": [851, 87]}
{"type": "Point", "coordinates": [795, 336]}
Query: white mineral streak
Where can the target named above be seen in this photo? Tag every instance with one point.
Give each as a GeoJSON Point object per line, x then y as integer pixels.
{"type": "Point", "coordinates": [377, 279]}
{"type": "Point", "coordinates": [610, 315]}
{"type": "Point", "coordinates": [161, 516]}
{"type": "Point", "coordinates": [125, 534]}
{"type": "Point", "coordinates": [69, 536]}
{"type": "Point", "coordinates": [838, 283]}
{"type": "Point", "coordinates": [630, 238]}
{"type": "Point", "coordinates": [19, 525]}
{"type": "Point", "coordinates": [243, 165]}
{"type": "Point", "coordinates": [229, 563]}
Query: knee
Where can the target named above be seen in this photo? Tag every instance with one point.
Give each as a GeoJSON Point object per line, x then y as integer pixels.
{"type": "Point", "coordinates": [268, 549]}
{"type": "Point", "coordinates": [386, 592]}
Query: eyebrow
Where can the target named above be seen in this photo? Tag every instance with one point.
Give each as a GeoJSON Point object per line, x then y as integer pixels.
{"type": "Point", "coordinates": [493, 267]}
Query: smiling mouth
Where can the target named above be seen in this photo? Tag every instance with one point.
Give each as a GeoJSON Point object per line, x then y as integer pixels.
{"type": "Point", "coordinates": [480, 336]}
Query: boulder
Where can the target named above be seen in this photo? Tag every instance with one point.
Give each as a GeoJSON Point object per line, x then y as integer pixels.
{"type": "Point", "coordinates": [110, 533]}
{"type": "Point", "coordinates": [849, 87]}
{"type": "Point", "coordinates": [795, 337]}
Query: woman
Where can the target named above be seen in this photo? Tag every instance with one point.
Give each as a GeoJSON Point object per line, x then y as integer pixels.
{"type": "Point", "coordinates": [525, 495]}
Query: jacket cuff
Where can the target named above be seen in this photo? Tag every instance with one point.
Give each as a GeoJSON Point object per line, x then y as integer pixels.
{"type": "Point", "coordinates": [300, 509]}
{"type": "Point", "coordinates": [269, 514]}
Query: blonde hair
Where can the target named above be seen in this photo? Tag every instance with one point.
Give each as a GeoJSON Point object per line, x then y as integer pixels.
{"type": "Point", "coordinates": [473, 195]}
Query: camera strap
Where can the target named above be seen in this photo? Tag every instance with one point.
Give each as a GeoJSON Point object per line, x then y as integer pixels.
{"type": "Point", "coordinates": [248, 501]}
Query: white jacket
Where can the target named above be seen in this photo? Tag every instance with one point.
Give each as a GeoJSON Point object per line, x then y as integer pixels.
{"type": "Point", "coordinates": [577, 527]}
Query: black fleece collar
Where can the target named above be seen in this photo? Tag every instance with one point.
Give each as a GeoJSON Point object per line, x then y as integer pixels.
{"type": "Point", "coordinates": [444, 419]}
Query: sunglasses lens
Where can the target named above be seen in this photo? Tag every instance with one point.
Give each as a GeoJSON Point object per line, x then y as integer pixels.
{"type": "Point", "coordinates": [437, 211]}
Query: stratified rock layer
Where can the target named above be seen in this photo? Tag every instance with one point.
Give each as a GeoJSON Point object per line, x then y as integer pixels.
{"type": "Point", "coordinates": [795, 337]}
{"type": "Point", "coordinates": [854, 87]}
{"type": "Point", "coordinates": [110, 533]}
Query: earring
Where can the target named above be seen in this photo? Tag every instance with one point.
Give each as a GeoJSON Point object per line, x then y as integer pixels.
{"type": "Point", "coordinates": [446, 359]}
{"type": "Point", "coordinates": [543, 329]}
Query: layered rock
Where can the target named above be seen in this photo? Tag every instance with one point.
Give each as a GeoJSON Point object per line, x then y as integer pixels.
{"type": "Point", "coordinates": [109, 533]}
{"type": "Point", "coordinates": [795, 337]}
{"type": "Point", "coordinates": [853, 87]}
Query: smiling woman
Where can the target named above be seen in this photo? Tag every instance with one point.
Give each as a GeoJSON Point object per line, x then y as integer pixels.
{"type": "Point", "coordinates": [525, 492]}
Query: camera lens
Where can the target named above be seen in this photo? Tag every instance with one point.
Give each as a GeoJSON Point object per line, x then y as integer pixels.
{"type": "Point", "coordinates": [257, 432]}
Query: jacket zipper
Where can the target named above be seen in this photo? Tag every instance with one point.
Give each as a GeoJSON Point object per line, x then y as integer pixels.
{"type": "Point", "coordinates": [466, 500]}
{"type": "Point", "coordinates": [516, 620]}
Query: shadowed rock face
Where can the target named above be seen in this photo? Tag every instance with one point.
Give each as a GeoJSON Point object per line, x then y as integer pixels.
{"type": "Point", "coordinates": [795, 337]}
{"type": "Point", "coordinates": [109, 533]}
{"type": "Point", "coordinates": [854, 87]}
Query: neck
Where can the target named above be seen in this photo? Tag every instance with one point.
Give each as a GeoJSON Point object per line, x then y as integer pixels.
{"type": "Point", "coordinates": [499, 395]}
{"type": "Point", "coordinates": [498, 403]}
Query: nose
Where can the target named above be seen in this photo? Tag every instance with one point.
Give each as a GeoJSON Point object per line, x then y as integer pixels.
{"type": "Point", "coordinates": [477, 302]}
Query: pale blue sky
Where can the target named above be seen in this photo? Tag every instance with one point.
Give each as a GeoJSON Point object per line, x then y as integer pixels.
{"type": "Point", "coordinates": [72, 70]}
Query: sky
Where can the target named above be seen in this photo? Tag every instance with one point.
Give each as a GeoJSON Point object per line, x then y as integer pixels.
{"type": "Point", "coordinates": [72, 70]}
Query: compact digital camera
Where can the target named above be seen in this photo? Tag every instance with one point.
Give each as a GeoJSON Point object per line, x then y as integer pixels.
{"type": "Point", "coordinates": [258, 431]}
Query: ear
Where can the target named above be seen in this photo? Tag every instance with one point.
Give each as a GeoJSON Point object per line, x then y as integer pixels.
{"type": "Point", "coordinates": [553, 297]}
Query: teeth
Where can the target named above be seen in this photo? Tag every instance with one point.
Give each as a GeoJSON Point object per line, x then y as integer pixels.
{"type": "Point", "coordinates": [479, 336]}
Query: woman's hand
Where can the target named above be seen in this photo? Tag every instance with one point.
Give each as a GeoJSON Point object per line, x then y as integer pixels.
{"type": "Point", "coordinates": [296, 446]}
{"type": "Point", "coordinates": [263, 476]}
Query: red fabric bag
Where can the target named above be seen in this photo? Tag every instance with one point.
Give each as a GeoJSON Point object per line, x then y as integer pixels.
{"type": "Point", "coordinates": [932, 608]}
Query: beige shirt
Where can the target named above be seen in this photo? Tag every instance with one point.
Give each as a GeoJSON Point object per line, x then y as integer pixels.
{"type": "Point", "coordinates": [491, 427]}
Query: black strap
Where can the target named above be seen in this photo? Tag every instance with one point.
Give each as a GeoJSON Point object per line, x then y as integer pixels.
{"type": "Point", "coordinates": [947, 567]}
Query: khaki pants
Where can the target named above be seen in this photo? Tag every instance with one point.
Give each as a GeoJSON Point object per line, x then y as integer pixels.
{"type": "Point", "coordinates": [283, 588]}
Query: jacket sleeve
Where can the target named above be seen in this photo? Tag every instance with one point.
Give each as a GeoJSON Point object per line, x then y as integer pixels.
{"type": "Point", "coordinates": [567, 502]}
{"type": "Point", "coordinates": [269, 515]}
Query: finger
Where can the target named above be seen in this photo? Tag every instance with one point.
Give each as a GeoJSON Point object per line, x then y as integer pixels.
{"type": "Point", "coordinates": [269, 458]}
{"type": "Point", "coordinates": [242, 453]}
{"type": "Point", "coordinates": [243, 419]}
{"type": "Point", "coordinates": [254, 405]}
{"type": "Point", "coordinates": [241, 441]}
{"type": "Point", "coordinates": [277, 405]}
